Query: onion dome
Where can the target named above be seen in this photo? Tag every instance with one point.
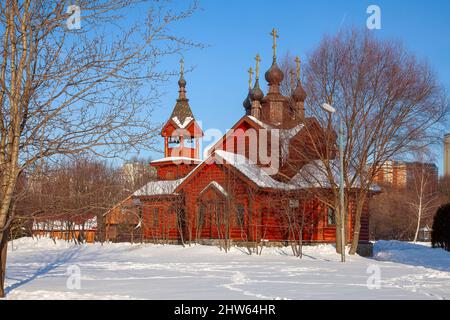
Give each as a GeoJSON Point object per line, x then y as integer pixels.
{"type": "Point", "coordinates": [247, 103]}
{"type": "Point", "coordinates": [299, 94]}
{"type": "Point", "coordinates": [256, 93]}
{"type": "Point", "coordinates": [274, 75]}
{"type": "Point", "coordinates": [182, 82]}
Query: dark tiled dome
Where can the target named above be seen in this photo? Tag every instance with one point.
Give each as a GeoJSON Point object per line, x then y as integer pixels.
{"type": "Point", "coordinates": [256, 93]}
{"type": "Point", "coordinates": [299, 94]}
{"type": "Point", "coordinates": [274, 75]}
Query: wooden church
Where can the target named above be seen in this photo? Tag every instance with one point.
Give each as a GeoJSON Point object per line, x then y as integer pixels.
{"type": "Point", "coordinates": [249, 188]}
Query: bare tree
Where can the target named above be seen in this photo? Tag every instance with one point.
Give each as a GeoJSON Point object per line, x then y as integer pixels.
{"type": "Point", "coordinates": [390, 215]}
{"type": "Point", "coordinates": [63, 91]}
{"type": "Point", "coordinates": [70, 192]}
{"type": "Point", "coordinates": [390, 104]}
{"type": "Point", "coordinates": [444, 189]}
{"type": "Point", "coordinates": [424, 194]}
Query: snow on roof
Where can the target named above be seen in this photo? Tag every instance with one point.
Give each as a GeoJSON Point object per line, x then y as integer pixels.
{"type": "Point", "coordinates": [183, 125]}
{"type": "Point", "coordinates": [216, 185]}
{"type": "Point", "coordinates": [260, 123]}
{"type": "Point", "coordinates": [160, 187]}
{"type": "Point", "coordinates": [252, 171]}
{"type": "Point", "coordinates": [315, 175]}
{"type": "Point", "coordinates": [177, 160]}
{"type": "Point", "coordinates": [208, 148]}
{"type": "Point", "coordinates": [285, 138]}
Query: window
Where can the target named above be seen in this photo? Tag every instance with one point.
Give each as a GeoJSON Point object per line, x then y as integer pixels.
{"type": "Point", "coordinates": [174, 140]}
{"type": "Point", "coordinates": [219, 218]}
{"type": "Point", "coordinates": [240, 211]}
{"type": "Point", "coordinates": [331, 217]}
{"type": "Point", "coordinates": [155, 217]}
{"type": "Point", "coordinates": [201, 214]}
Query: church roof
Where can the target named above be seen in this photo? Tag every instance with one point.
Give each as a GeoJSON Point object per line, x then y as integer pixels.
{"type": "Point", "coordinates": [252, 171]}
{"type": "Point", "coordinates": [182, 113]}
{"type": "Point", "coordinates": [315, 175]}
{"type": "Point", "coordinates": [177, 160]}
{"type": "Point", "coordinates": [160, 187]}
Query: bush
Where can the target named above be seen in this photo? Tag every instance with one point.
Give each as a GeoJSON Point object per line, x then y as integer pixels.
{"type": "Point", "coordinates": [440, 236]}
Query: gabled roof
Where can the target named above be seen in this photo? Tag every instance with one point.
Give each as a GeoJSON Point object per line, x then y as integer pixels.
{"type": "Point", "coordinates": [252, 171]}
{"type": "Point", "coordinates": [182, 111]}
{"type": "Point", "coordinates": [314, 175]}
{"type": "Point", "coordinates": [252, 121]}
{"type": "Point", "coordinates": [215, 185]}
{"type": "Point", "coordinates": [249, 170]}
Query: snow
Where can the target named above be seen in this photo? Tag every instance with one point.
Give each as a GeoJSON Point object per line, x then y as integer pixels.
{"type": "Point", "coordinates": [62, 224]}
{"type": "Point", "coordinates": [159, 187]}
{"type": "Point", "coordinates": [183, 125]}
{"type": "Point", "coordinates": [314, 175]}
{"type": "Point", "coordinates": [285, 138]}
{"type": "Point", "coordinates": [177, 160]}
{"type": "Point", "coordinates": [418, 254]}
{"type": "Point", "coordinates": [252, 171]}
{"type": "Point", "coordinates": [260, 123]}
{"type": "Point", "coordinates": [216, 185]}
{"type": "Point", "coordinates": [37, 269]}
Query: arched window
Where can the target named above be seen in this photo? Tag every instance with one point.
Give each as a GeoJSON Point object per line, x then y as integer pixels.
{"type": "Point", "coordinates": [240, 211]}
{"type": "Point", "coordinates": [331, 216]}
{"type": "Point", "coordinates": [201, 214]}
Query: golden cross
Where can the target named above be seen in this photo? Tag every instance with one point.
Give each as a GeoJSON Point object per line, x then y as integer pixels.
{"type": "Point", "coordinates": [297, 62]}
{"type": "Point", "coordinates": [291, 72]}
{"type": "Point", "coordinates": [182, 66]}
{"type": "Point", "coordinates": [258, 60]}
{"type": "Point", "coordinates": [274, 34]}
{"type": "Point", "coordinates": [250, 74]}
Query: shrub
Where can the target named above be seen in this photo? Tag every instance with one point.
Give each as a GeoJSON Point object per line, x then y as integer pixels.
{"type": "Point", "coordinates": [440, 236]}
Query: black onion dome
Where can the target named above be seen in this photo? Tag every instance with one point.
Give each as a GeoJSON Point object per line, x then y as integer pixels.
{"type": "Point", "coordinates": [256, 93]}
{"type": "Point", "coordinates": [274, 75]}
{"type": "Point", "coordinates": [299, 94]}
{"type": "Point", "coordinates": [247, 102]}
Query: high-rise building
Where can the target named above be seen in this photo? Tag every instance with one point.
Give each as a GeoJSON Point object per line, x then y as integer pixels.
{"type": "Point", "coordinates": [401, 174]}
{"type": "Point", "coordinates": [447, 154]}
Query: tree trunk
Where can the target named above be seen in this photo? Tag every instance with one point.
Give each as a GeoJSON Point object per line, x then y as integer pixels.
{"type": "Point", "coordinates": [357, 227]}
{"type": "Point", "coordinates": [419, 217]}
{"type": "Point", "coordinates": [338, 231]}
{"type": "Point", "coordinates": [3, 253]}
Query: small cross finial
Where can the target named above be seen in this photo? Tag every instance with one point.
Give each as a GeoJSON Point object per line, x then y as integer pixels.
{"type": "Point", "coordinates": [274, 34]}
{"type": "Point", "coordinates": [297, 62]}
{"type": "Point", "coordinates": [291, 72]}
{"type": "Point", "coordinates": [250, 74]}
{"type": "Point", "coordinates": [258, 60]}
{"type": "Point", "coordinates": [181, 66]}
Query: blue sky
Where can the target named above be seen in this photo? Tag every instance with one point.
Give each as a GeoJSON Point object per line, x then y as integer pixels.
{"type": "Point", "coordinates": [236, 30]}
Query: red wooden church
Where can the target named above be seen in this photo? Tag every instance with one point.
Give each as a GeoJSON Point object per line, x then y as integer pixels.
{"type": "Point", "coordinates": [250, 186]}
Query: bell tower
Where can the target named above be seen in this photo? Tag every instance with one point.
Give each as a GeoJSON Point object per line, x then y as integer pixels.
{"type": "Point", "coordinates": [181, 132]}
{"type": "Point", "coordinates": [181, 135]}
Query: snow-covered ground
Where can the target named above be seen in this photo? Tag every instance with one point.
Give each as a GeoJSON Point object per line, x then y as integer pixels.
{"type": "Point", "coordinates": [38, 269]}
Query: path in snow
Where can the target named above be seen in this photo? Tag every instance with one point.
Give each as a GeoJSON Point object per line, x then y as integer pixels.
{"type": "Point", "coordinates": [37, 269]}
